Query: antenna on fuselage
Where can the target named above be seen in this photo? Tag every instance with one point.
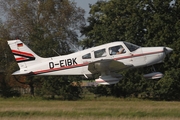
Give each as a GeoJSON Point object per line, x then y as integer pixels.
{"type": "Point", "coordinates": [70, 44]}
{"type": "Point", "coordinates": [75, 47]}
{"type": "Point", "coordinates": [56, 52]}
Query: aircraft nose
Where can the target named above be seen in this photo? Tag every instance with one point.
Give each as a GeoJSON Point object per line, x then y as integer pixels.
{"type": "Point", "coordinates": [168, 50]}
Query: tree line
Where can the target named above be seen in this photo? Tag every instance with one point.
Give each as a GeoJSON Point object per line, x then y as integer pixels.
{"type": "Point", "coordinates": [52, 24]}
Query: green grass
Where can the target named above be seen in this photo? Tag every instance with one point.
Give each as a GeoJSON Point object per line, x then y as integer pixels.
{"type": "Point", "coordinates": [101, 108]}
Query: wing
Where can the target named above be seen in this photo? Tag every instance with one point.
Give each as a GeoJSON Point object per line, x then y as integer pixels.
{"type": "Point", "coordinates": [107, 65]}
{"type": "Point", "coordinates": [107, 68]}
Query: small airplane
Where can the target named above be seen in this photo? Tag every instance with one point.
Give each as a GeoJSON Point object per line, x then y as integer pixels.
{"type": "Point", "coordinates": [107, 59]}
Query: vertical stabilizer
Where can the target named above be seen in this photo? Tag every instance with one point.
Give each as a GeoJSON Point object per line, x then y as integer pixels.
{"type": "Point", "coordinates": [24, 56]}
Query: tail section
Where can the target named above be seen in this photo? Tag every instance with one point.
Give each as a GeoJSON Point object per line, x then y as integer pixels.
{"type": "Point", "coordinates": [24, 56]}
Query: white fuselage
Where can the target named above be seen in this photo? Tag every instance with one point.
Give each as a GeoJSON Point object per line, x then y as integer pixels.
{"type": "Point", "coordinates": [77, 63]}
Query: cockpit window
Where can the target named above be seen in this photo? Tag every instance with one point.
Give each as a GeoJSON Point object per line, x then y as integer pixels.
{"type": "Point", "coordinates": [100, 53]}
{"type": "Point", "coordinates": [86, 56]}
{"type": "Point", "coordinates": [116, 50]}
{"type": "Point", "coordinates": [131, 46]}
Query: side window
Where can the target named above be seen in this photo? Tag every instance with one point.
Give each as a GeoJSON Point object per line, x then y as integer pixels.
{"type": "Point", "coordinates": [100, 53]}
{"type": "Point", "coordinates": [86, 56]}
{"type": "Point", "coordinates": [116, 50]}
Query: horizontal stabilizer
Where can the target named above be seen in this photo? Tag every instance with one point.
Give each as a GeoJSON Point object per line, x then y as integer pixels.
{"type": "Point", "coordinates": [22, 72]}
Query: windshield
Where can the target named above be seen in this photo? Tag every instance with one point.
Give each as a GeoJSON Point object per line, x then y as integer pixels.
{"type": "Point", "coordinates": [131, 46]}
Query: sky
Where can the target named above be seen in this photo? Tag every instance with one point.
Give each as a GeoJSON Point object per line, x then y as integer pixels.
{"type": "Point", "coordinates": [80, 3]}
{"type": "Point", "coordinates": [85, 5]}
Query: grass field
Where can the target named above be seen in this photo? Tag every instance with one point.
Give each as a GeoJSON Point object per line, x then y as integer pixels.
{"type": "Point", "coordinates": [99, 109]}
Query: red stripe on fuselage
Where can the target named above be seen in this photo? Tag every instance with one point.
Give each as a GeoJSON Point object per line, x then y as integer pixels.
{"type": "Point", "coordinates": [61, 68]}
{"type": "Point", "coordinates": [137, 55]}
{"type": "Point", "coordinates": [86, 63]}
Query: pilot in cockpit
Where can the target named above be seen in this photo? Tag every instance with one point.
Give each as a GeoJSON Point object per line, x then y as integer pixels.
{"type": "Point", "coordinates": [116, 50]}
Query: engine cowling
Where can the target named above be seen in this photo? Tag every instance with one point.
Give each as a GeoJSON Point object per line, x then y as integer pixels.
{"type": "Point", "coordinates": [153, 75]}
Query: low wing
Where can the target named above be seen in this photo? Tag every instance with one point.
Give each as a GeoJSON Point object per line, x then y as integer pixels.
{"type": "Point", "coordinates": [106, 65]}
{"type": "Point", "coordinates": [107, 68]}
